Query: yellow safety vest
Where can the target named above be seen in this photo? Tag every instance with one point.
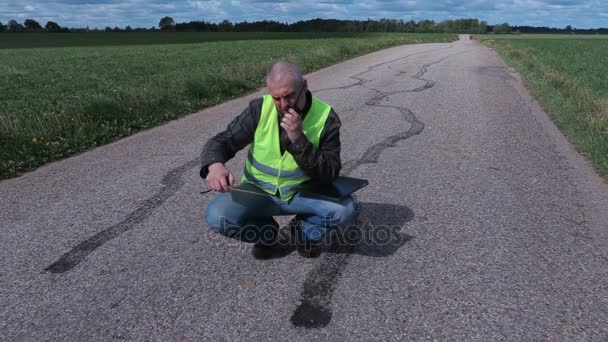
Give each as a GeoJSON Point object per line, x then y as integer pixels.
{"type": "Point", "coordinates": [265, 166]}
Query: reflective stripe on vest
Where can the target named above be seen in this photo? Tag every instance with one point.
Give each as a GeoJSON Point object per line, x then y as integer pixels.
{"type": "Point", "coordinates": [265, 166]}
{"type": "Point", "coordinates": [271, 171]}
{"type": "Point", "coordinates": [268, 186]}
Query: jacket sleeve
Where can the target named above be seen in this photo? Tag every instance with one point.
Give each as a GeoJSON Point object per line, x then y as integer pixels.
{"type": "Point", "coordinates": [238, 134]}
{"type": "Point", "coordinates": [321, 163]}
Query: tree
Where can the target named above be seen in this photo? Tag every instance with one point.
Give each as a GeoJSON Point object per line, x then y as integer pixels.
{"type": "Point", "coordinates": [2, 27]}
{"type": "Point", "coordinates": [483, 27]}
{"type": "Point", "coordinates": [14, 26]}
{"type": "Point", "coordinates": [225, 26]}
{"type": "Point", "coordinates": [32, 25]}
{"type": "Point", "coordinates": [52, 26]}
{"type": "Point", "coordinates": [502, 29]}
{"type": "Point", "coordinates": [166, 23]}
{"type": "Point", "coordinates": [129, 28]}
{"type": "Point", "coordinates": [410, 26]}
{"type": "Point", "coordinates": [426, 26]}
{"type": "Point", "coordinates": [568, 29]}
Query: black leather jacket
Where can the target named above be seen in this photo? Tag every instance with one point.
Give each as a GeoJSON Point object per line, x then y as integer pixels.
{"type": "Point", "coordinates": [322, 164]}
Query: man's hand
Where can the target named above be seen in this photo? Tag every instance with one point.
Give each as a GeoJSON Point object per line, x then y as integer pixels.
{"type": "Point", "coordinates": [292, 123]}
{"type": "Point", "coordinates": [219, 178]}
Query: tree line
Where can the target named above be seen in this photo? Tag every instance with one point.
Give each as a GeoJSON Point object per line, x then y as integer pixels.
{"type": "Point", "coordinates": [331, 25]}
{"type": "Point", "coordinates": [31, 25]}
{"type": "Point", "coordinates": [470, 25]}
{"type": "Point", "coordinates": [567, 29]}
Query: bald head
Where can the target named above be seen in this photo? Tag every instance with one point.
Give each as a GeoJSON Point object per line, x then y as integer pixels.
{"type": "Point", "coordinates": [286, 86]}
{"type": "Point", "coordinates": [283, 72]}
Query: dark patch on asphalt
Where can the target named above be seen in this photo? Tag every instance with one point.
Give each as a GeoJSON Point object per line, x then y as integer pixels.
{"type": "Point", "coordinates": [311, 316]}
{"type": "Point", "coordinates": [171, 182]}
{"type": "Point", "coordinates": [500, 72]}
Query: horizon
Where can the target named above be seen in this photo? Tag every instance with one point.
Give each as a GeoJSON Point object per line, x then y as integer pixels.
{"type": "Point", "coordinates": [580, 14]}
{"type": "Point", "coordinates": [42, 23]}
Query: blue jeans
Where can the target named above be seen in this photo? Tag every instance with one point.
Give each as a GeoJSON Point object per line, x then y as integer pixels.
{"type": "Point", "coordinates": [315, 216]}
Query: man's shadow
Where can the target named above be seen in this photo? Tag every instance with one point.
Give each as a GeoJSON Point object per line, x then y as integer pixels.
{"type": "Point", "coordinates": [375, 232]}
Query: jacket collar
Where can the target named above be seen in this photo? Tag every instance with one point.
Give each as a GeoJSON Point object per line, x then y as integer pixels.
{"type": "Point", "coordinates": [308, 103]}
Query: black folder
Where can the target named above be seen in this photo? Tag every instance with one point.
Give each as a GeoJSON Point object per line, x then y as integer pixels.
{"type": "Point", "coordinates": [336, 190]}
{"type": "Point", "coordinates": [250, 195]}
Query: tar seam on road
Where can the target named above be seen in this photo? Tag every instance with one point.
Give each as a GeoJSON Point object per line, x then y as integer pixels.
{"type": "Point", "coordinates": [314, 309]}
{"type": "Point", "coordinates": [171, 182]}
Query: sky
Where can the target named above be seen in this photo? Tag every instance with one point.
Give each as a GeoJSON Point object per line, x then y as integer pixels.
{"type": "Point", "coordinates": [147, 13]}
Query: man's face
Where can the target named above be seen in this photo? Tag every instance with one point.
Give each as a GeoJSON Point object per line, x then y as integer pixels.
{"type": "Point", "coordinates": [285, 95]}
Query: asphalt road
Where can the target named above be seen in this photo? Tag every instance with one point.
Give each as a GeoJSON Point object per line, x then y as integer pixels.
{"type": "Point", "coordinates": [480, 223]}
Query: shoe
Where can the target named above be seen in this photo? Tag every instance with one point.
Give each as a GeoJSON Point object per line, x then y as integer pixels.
{"type": "Point", "coordinates": [310, 249]}
{"type": "Point", "coordinates": [263, 251]}
{"type": "Point", "coordinates": [266, 250]}
{"type": "Point", "coordinates": [305, 247]}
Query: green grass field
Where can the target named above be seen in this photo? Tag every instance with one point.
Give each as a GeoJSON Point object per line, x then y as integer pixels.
{"type": "Point", "coordinates": [568, 76]}
{"type": "Point", "coordinates": [64, 93]}
{"type": "Point", "coordinates": [528, 36]}
{"type": "Point", "coordinates": [29, 40]}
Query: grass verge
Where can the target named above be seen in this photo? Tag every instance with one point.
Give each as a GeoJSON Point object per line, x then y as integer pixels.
{"type": "Point", "coordinates": [568, 78]}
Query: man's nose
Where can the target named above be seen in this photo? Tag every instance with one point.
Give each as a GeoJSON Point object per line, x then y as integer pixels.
{"type": "Point", "coordinates": [284, 104]}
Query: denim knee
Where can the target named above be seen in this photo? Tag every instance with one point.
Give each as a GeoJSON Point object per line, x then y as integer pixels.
{"type": "Point", "coordinates": [215, 216]}
{"type": "Point", "coordinates": [216, 220]}
{"type": "Point", "coordinates": [344, 212]}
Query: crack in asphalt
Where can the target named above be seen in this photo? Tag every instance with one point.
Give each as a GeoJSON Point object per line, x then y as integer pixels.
{"type": "Point", "coordinates": [171, 182]}
{"type": "Point", "coordinates": [371, 155]}
{"type": "Point", "coordinates": [361, 81]}
{"type": "Point", "coordinates": [314, 308]}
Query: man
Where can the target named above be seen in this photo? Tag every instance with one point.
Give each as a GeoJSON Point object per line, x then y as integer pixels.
{"type": "Point", "coordinates": [295, 138]}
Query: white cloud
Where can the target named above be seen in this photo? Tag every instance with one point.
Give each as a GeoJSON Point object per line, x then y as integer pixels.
{"type": "Point", "coordinates": [28, 8]}
{"type": "Point", "coordinates": [165, 7]}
